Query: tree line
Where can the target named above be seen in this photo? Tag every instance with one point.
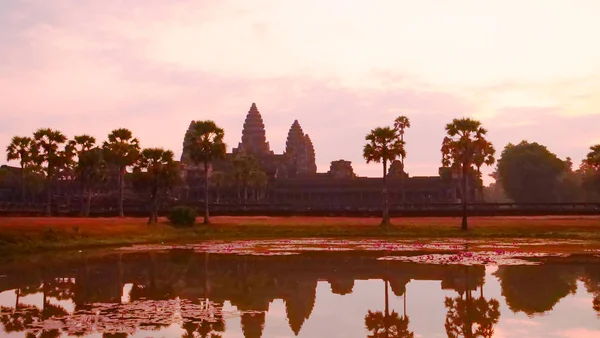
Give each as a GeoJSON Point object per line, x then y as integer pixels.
{"type": "Point", "coordinates": [526, 172]}
{"type": "Point", "coordinates": [48, 155]}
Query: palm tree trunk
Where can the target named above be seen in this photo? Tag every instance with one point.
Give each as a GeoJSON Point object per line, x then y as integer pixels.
{"type": "Point", "coordinates": [206, 215]}
{"type": "Point", "coordinates": [387, 300]}
{"type": "Point", "coordinates": [402, 174]}
{"type": "Point", "coordinates": [86, 211]}
{"type": "Point", "coordinates": [387, 310]}
{"type": "Point", "coordinates": [386, 208]}
{"type": "Point", "coordinates": [469, 322]}
{"type": "Point", "coordinates": [154, 206]}
{"type": "Point", "coordinates": [48, 211]}
{"type": "Point", "coordinates": [480, 188]}
{"type": "Point", "coordinates": [464, 196]}
{"type": "Point", "coordinates": [18, 292]}
{"type": "Point", "coordinates": [405, 302]}
{"type": "Point", "coordinates": [403, 191]}
{"type": "Point", "coordinates": [121, 179]}
{"type": "Point", "coordinates": [82, 198]}
{"type": "Point", "coordinates": [22, 183]}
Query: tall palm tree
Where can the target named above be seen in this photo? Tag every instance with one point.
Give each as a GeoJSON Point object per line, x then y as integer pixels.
{"type": "Point", "coordinates": [121, 150]}
{"type": "Point", "coordinates": [91, 170]}
{"type": "Point", "coordinates": [383, 146]}
{"type": "Point", "coordinates": [401, 124]}
{"type": "Point", "coordinates": [22, 149]}
{"type": "Point", "coordinates": [205, 140]}
{"type": "Point", "coordinates": [162, 172]}
{"type": "Point", "coordinates": [49, 157]}
{"type": "Point", "coordinates": [459, 149]}
{"type": "Point", "coordinates": [76, 147]}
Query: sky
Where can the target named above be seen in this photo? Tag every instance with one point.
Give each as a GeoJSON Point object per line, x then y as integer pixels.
{"type": "Point", "coordinates": [528, 70]}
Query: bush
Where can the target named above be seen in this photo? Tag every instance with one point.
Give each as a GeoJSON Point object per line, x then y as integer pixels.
{"type": "Point", "coordinates": [182, 216]}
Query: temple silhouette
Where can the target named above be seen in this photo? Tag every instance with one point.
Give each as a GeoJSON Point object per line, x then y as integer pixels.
{"type": "Point", "coordinates": [293, 178]}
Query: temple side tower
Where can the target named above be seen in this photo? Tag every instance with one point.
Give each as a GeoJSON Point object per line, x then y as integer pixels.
{"type": "Point", "coordinates": [310, 149]}
{"type": "Point", "coordinates": [297, 152]}
{"type": "Point", "coordinates": [254, 139]}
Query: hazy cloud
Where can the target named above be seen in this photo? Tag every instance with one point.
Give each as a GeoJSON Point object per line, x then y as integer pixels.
{"type": "Point", "coordinates": [153, 66]}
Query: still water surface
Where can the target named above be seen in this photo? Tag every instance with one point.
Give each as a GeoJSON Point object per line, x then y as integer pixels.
{"type": "Point", "coordinates": [188, 292]}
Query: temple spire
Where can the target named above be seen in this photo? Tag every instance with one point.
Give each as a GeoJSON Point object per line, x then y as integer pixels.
{"type": "Point", "coordinates": [310, 152]}
{"type": "Point", "coordinates": [296, 150]}
{"type": "Point", "coordinates": [254, 139]}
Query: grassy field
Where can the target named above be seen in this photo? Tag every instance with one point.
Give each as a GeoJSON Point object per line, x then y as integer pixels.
{"type": "Point", "coordinates": [21, 234]}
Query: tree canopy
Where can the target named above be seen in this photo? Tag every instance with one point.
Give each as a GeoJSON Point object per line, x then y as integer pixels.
{"type": "Point", "coordinates": [529, 172]}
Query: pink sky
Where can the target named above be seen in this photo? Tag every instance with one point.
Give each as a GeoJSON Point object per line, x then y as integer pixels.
{"type": "Point", "coordinates": [527, 69]}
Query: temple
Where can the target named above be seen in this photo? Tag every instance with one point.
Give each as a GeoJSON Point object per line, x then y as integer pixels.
{"type": "Point", "coordinates": [293, 179]}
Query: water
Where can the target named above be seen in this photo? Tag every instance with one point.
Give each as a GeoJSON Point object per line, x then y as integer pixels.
{"type": "Point", "coordinates": [304, 289]}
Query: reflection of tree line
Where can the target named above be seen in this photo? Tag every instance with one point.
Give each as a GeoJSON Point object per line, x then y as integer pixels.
{"type": "Point", "coordinates": [251, 282]}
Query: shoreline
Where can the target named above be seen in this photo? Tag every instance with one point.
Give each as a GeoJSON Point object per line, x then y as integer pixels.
{"type": "Point", "coordinates": [25, 235]}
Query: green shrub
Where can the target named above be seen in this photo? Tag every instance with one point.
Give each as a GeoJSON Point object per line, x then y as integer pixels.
{"type": "Point", "coordinates": [182, 216]}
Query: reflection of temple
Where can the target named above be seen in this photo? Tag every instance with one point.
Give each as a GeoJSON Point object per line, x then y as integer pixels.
{"type": "Point", "coordinates": [161, 284]}
{"type": "Point", "coordinates": [294, 180]}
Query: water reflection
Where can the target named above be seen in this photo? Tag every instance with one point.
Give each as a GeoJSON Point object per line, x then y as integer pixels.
{"type": "Point", "coordinates": [181, 293]}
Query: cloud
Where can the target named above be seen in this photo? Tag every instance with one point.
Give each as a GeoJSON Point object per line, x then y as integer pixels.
{"type": "Point", "coordinates": [153, 66]}
{"type": "Point", "coordinates": [580, 333]}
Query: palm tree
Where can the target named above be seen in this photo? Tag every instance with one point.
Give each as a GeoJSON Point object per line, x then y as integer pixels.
{"type": "Point", "coordinates": [459, 149]}
{"type": "Point", "coordinates": [22, 149]}
{"type": "Point", "coordinates": [49, 157]}
{"type": "Point", "coordinates": [206, 145]}
{"type": "Point", "coordinates": [91, 169]}
{"type": "Point", "coordinates": [384, 146]}
{"type": "Point", "coordinates": [121, 150]}
{"type": "Point", "coordinates": [162, 172]}
{"type": "Point", "coordinates": [76, 147]}
{"type": "Point", "coordinates": [400, 124]}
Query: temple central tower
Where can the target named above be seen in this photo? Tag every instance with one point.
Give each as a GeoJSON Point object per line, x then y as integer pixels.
{"type": "Point", "coordinates": [254, 138]}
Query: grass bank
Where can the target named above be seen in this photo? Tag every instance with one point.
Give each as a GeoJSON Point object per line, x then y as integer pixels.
{"type": "Point", "coordinates": [23, 234]}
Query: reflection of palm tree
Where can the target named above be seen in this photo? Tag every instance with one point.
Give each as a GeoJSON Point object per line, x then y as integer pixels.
{"type": "Point", "coordinates": [465, 312]}
{"type": "Point", "coordinates": [115, 335]}
{"type": "Point", "coordinates": [205, 329]}
{"type": "Point", "coordinates": [388, 325]}
{"type": "Point", "coordinates": [17, 321]}
{"type": "Point", "coordinates": [54, 333]}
